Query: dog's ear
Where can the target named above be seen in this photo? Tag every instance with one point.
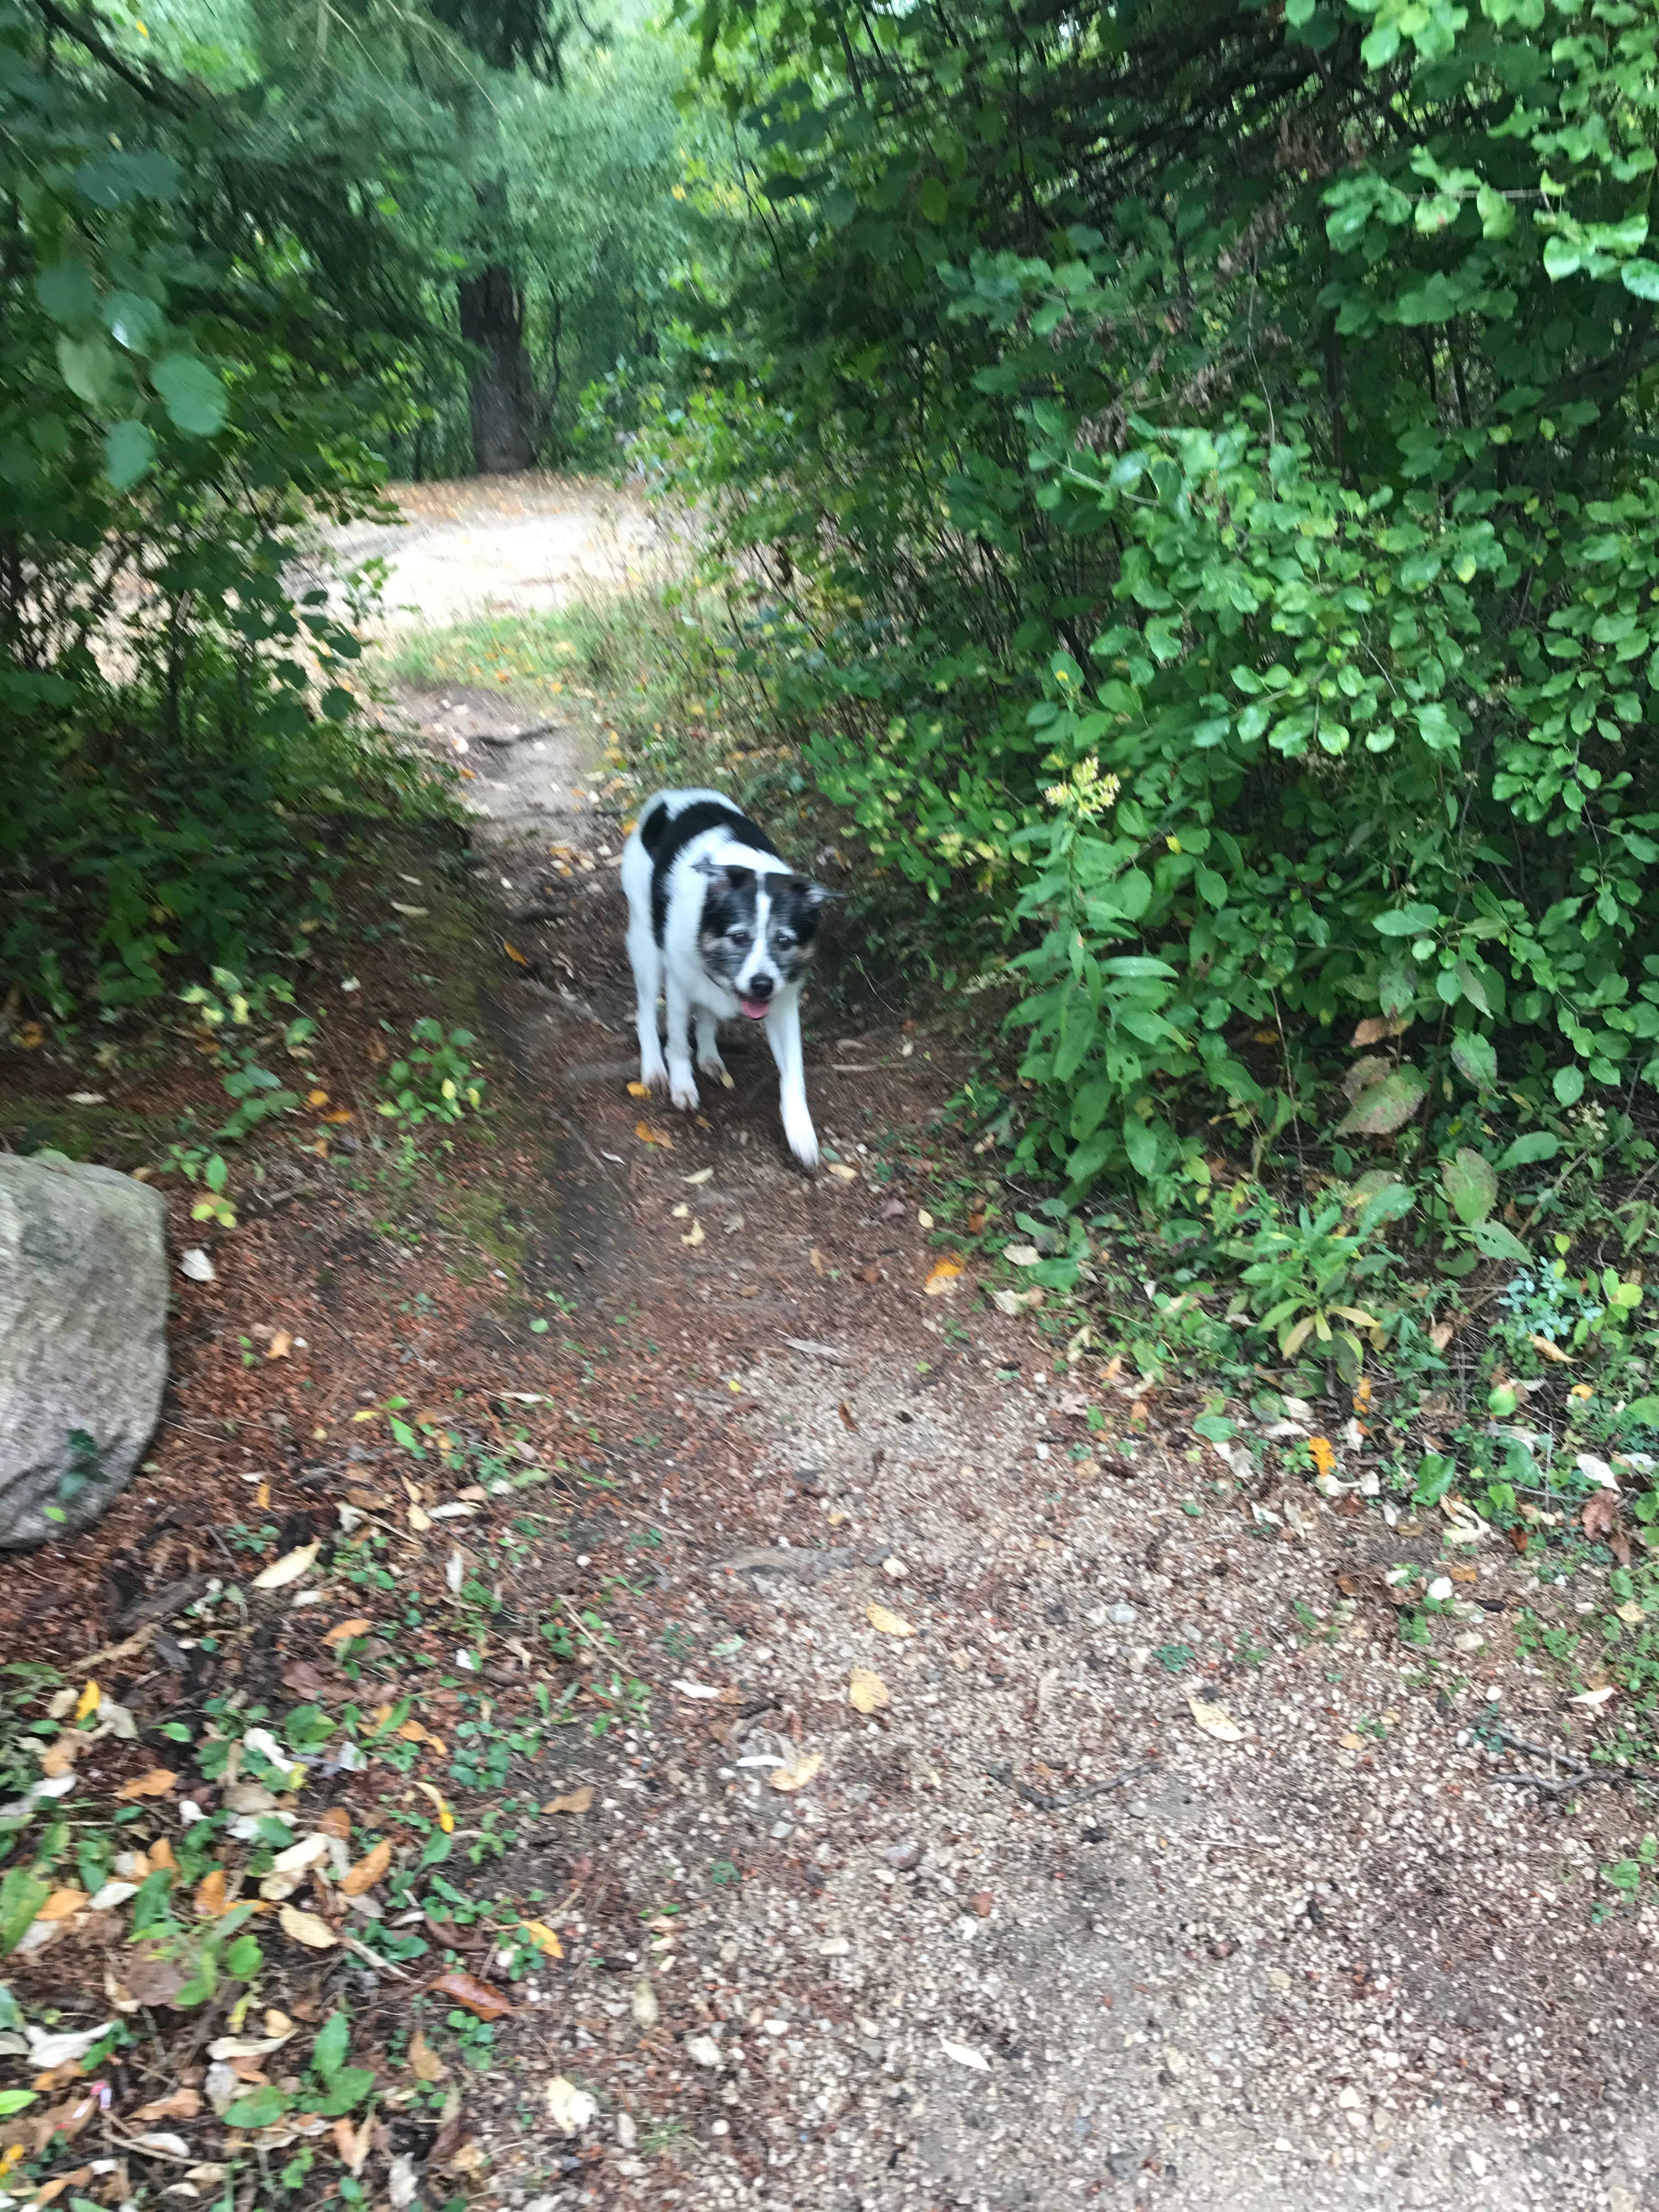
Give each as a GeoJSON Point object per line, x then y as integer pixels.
{"type": "Point", "coordinates": [732, 878]}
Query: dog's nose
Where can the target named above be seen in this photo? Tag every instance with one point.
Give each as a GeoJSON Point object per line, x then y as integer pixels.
{"type": "Point", "coordinates": [761, 986]}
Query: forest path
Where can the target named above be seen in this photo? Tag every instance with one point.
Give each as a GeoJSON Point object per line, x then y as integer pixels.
{"type": "Point", "coordinates": [1045, 1926]}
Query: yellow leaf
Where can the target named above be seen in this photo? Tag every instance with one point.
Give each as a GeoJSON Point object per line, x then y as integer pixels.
{"type": "Point", "coordinates": [647, 1135]}
{"type": "Point", "coordinates": [543, 1938]}
{"type": "Point", "coordinates": [842, 1172]}
{"type": "Point", "coordinates": [1553, 1353]}
{"type": "Point", "coordinates": [369, 1869]}
{"type": "Point", "coordinates": [942, 1278]}
{"type": "Point", "coordinates": [31, 1035]}
{"type": "Point", "coordinates": [889, 1624]}
{"type": "Point", "coordinates": [513, 953]}
{"type": "Point", "coordinates": [866, 1692]}
{"type": "Point", "coordinates": [281, 1345]}
{"type": "Point", "coordinates": [1324, 1458]}
{"type": "Point", "coordinates": [339, 1114]}
{"type": "Point", "coordinates": [446, 1818]}
{"type": "Point", "coordinates": [307, 1927]}
{"type": "Point", "coordinates": [156, 1783]}
{"type": "Point", "coordinates": [87, 1703]}
{"type": "Point", "coordinates": [797, 1776]}
{"type": "Point", "coordinates": [344, 1630]}
{"type": "Point", "coordinates": [316, 1098]}
{"type": "Point", "coordinates": [419, 1520]}
{"type": "Point", "coordinates": [639, 1090]}
{"type": "Point", "coordinates": [210, 1900]}
{"type": "Point", "coordinates": [574, 1801]}
{"type": "Point", "coordinates": [1215, 1719]}
{"type": "Point", "coordinates": [61, 1903]}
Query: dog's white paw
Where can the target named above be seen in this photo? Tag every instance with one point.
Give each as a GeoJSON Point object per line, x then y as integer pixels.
{"type": "Point", "coordinates": [712, 1064]}
{"type": "Point", "coordinates": [654, 1073]}
{"type": "Point", "coordinates": [684, 1093]}
{"type": "Point", "coordinates": [802, 1140]}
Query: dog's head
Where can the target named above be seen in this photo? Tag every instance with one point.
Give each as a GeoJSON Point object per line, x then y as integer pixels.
{"type": "Point", "coordinates": [758, 932]}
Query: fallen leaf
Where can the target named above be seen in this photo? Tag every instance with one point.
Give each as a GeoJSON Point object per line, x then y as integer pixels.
{"type": "Point", "coordinates": [703, 1174]}
{"type": "Point", "coordinates": [472, 1996]}
{"type": "Point", "coordinates": [182, 2105]}
{"type": "Point", "coordinates": [345, 1629]}
{"type": "Point", "coordinates": [1595, 1696]}
{"type": "Point", "coordinates": [570, 2109]}
{"type": "Point", "coordinates": [889, 1624]}
{"type": "Point", "coordinates": [797, 1776]}
{"type": "Point", "coordinates": [87, 1703]}
{"type": "Point", "coordinates": [1553, 1353]}
{"type": "Point", "coordinates": [307, 1927]}
{"type": "Point", "coordinates": [156, 1783]}
{"type": "Point", "coordinates": [352, 2145]}
{"type": "Point", "coordinates": [965, 2055]}
{"type": "Point", "coordinates": [288, 1568]}
{"type": "Point", "coordinates": [1600, 1514]}
{"type": "Point", "coordinates": [695, 1235]}
{"type": "Point", "coordinates": [574, 1801]}
{"type": "Point", "coordinates": [645, 2008]}
{"type": "Point", "coordinates": [61, 1903]}
{"type": "Point", "coordinates": [1215, 1719]}
{"type": "Point", "coordinates": [844, 1174]}
{"type": "Point", "coordinates": [544, 1938]}
{"type": "Point", "coordinates": [513, 953]}
{"type": "Point", "coordinates": [942, 1278]}
{"type": "Point", "coordinates": [866, 1692]}
{"type": "Point", "coordinates": [402, 2183]}
{"type": "Point", "coordinates": [281, 1345]}
{"type": "Point", "coordinates": [425, 2062]}
{"type": "Point", "coordinates": [639, 1090]}
{"type": "Point", "coordinates": [845, 1412]}
{"type": "Point", "coordinates": [211, 1899]}
{"type": "Point", "coordinates": [1322, 1454]}
{"type": "Point", "coordinates": [414, 913]}
{"type": "Point", "coordinates": [647, 1135]}
{"type": "Point", "coordinates": [194, 1266]}
{"type": "Point", "coordinates": [446, 1818]}
{"type": "Point", "coordinates": [369, 1869]}
{"type": "Point", "coordinates": [339, 1114]}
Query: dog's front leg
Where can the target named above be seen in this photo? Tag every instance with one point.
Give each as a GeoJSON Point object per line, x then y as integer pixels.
{"type": "Point", "coordinates": [647, 989]}
{"type": "Point", "coordinates": [708, 1048]}
{"type": "Point", "coordinates": [783, 1035]}
{"type": "Point", "coordinates": [682, 1083]}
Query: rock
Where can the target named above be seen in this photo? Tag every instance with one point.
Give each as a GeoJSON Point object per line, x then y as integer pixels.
{"type": "Point", "coordinates": [83, 1305]}
{"type": "Point", "coordinates": [1121, 1615]}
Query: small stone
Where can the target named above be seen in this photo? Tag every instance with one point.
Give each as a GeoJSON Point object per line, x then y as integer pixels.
{"type": "Point", "coordinates": [894, 1567]}
{"type": "Point", "coordinates": [902, 1856]}
{"type": "Point", "coordinates": [835, 1946]}
{"type": "Point", "coordinates": [1121, 1615]}
{"type": "Point", "coordinates": [1175, 2062]}
{"type": "Point", "coordinates": [703, 2050]}
{"type": "Point", "coordinates": [627, 2134]}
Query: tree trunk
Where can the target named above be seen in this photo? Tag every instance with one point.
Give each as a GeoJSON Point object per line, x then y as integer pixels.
{"type": "Point", "coordinates": [502, 391]}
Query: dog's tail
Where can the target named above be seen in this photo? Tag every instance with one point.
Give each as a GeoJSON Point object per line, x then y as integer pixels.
{"type": "Point", "coordinates": [654, 822]}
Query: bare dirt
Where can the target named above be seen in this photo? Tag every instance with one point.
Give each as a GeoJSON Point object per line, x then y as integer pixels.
{"type": "Point", "coordinates": [1160, 1873]}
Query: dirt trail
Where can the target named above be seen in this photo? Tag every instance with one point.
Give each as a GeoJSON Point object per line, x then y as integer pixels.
{"type": "Point", "coordinates": [1037, 1929]}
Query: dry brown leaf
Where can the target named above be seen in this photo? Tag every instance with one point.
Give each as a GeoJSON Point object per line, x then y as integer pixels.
{"type": "Point", "coordinates": [182, 2105]}
{"type": "Point", "coordinates": [281, 1345]}
{"type": "Point", "coordinates": [156, 1783]}
{"type": "Point", "coordinates": [161, 1852]}
{"type": "Point", "coordinates": [60, 1757]}
{"type": "Point", "coordinates": [61, 1903]}
{"type": "Point", "coordinates": [1600, 1514]}
{"type": "Point", "coordinates": [647, 1135]}
{"type": "Point", "coordinates": [574, 1801]}
{"type": "Point", "coordinates": [843, 1173]}
{"type": "Point", "coordinates": [889, 1624]}
{"type": "Point", "coordinates": [210, 1900]}
{"type": "Point", "coordinates": [797, 1776]}
{"type": "Point", "coordinates": [352, 2144]}
{"type": "Point", "coordinates": [866, 1692]}
{"type": "Point", "coordinates": [343, 1630]}
{"type": "Point", "coordinates": [1370, 1031]}
{"type": "Point", "coordinates": [307, 1927]}
{"type": "Point", "coordinates": [288, 1568]}
{"type": "Point", "coordinates": [336, 1821]}
{"type": "Point", "coordinates": [845, 1412]}
{"type": "Point", "coordinates": [369, 1869]}
{"type": "Point", "coordinates": [425, 2062]}
{"type": "Point", "coordinates": [472, 1996]}
{"type": "Point", "coordinates": [694, 1236]}
{"type": "Point", "coordinates": [1215, 1719]}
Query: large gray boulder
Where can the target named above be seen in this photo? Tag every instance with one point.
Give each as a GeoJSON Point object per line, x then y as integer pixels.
{"type": "Point", "coordinates": [83, 1358]}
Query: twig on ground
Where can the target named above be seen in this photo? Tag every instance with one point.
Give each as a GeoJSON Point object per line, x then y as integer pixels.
{"type": "Point", "coordinates": [1062, 1801]}
{"type": "Point", "coordinates": [1560, 1785]}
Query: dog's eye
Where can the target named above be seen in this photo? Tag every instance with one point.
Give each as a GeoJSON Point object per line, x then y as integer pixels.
{"type": "Point", "coordinates": [784, 939]}
{"type": "Point", "coordinates": [740, 936]}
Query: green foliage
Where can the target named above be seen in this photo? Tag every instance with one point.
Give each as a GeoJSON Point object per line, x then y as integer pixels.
{"type": "Point", "coordinates": [1187, 477]}
{"type": "Point", "coordinates": [435, 1081]}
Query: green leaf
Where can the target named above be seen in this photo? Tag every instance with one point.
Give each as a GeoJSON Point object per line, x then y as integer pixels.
{"type": "Point", "coordinates": [15, 2100]}
{"type": "Point", "coordinates": [1641, 278]}
{"type": "Point", "coordinates": [1385, 1106]}
{"type": "Point", "coordinates": [346, 2089]}
{"type": "Point", "coordinates": [119, 177]}
{"type": "Point", "coordinates": [1496, 214]}
{"type": "Point", "coordinates": [1568, 1084]}
{"type": "Point", "coordinates": [1471, 1182]}
{"type": "Point", "coordinates": [1499, 1243]}
{"type": "Point", "coordinates": [22, 1896]}
{"type": "Point", "coordinates": [1216, 1428]}
{"type": "Point", "coordinates": [128, 451]}
{"type": "Point", "coordinates": [86, 365]}
{"type": "Point", "coordinates": [67, 292]}
{"type": "Point", "coordinates": [1140, 1145]}
{"type": "Point", "coordinates": [934, 200]}
{"type": "Point", "coordinates": [191, 393]}
{"type": "Point", "coordinates": [133, 321]}
{"type": "Point", "coordinates": [262, 2108]}
{"type": "Point", "coordinates": [1473, 1058]}
{"type": "Point", "coordinates": [1562, 259]}
{"type": "Point", "coordinates": [1407, 920]}
{"type": "Point", "coordinates": [328, 2052]}
{"type": "Point", "coordinates": [1526, 1151]}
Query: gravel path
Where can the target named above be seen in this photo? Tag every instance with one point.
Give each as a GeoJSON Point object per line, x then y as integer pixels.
{"type": "Point", "coordinates": [1160, 1871]}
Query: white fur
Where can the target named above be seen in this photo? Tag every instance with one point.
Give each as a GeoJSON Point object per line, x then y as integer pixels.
{"type": "Point", "coordinates": [674, 972]}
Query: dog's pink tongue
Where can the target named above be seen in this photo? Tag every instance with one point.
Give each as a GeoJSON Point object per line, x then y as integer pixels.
{"type": "Point", "coordinates": [756, 1009]}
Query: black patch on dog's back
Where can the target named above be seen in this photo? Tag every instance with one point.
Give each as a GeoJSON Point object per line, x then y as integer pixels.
{"type": "Point", "coordinates": [664, 841]}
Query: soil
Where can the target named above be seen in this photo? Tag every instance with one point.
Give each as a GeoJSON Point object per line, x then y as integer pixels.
{"type": "Point", "coordinates": [1160, 1873]}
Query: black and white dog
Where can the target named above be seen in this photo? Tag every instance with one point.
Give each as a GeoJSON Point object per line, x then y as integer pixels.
{"type": "Point", "coordinates": [718, 925]}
